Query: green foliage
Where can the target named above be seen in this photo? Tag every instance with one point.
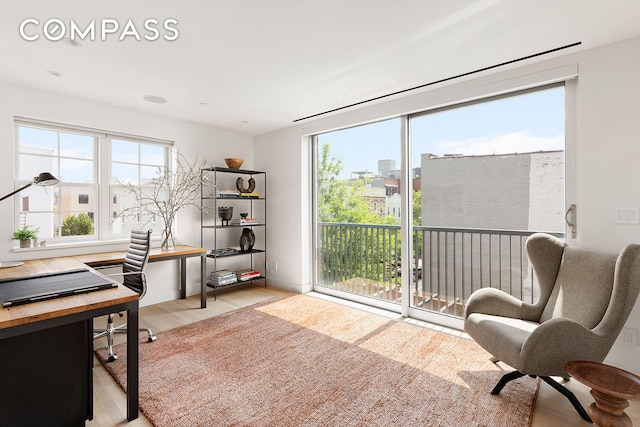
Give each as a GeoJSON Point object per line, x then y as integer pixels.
{"type": "Point", "coordinates": [26, 233]}
{"type": "Point", "coordinates": [339, 200]}
{"type": "Point", "coordinates": [80, 225]}
{"type": "Point", "coordinates": [417, 207]}
{"type": "Point", "coordinates": [368, 251]}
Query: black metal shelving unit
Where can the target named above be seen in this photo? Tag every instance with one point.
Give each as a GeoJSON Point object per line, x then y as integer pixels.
{"type": "Point", "coordinates": [215, 235]}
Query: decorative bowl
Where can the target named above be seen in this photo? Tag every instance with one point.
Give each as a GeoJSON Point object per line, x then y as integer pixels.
{"type": "Point", "coordinates": [233, 163]}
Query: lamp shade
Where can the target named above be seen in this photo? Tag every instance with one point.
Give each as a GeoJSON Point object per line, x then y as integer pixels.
{"type": "Point", "coordinates": [45, 178]}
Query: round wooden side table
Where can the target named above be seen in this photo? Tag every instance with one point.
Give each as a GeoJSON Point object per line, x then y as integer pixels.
{"type": "Point", "coordinates": [611, 388]}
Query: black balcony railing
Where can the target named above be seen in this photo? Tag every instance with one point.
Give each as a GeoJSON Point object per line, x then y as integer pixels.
{"type": "Point", "coordinates": [448, 264]}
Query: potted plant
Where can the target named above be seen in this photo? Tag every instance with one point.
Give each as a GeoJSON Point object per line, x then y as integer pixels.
{"type": "Point", "coordinates": [167, 193]}
{"type": "Point", "coordinates": [25, 235]}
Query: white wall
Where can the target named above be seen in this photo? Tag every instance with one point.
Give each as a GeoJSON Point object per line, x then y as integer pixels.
{"type": "Point", "coordinates": [192, 140]}
{"type": "Point", "coordinates": [607, 130]}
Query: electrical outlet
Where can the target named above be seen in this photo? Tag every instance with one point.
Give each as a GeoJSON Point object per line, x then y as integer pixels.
{"type": "Point", "coordinates": [629, 336]}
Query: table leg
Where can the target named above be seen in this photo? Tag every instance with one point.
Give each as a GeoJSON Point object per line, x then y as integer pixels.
{"type": "Point", "coordinates": [608, 410]}
{"type": "Point", "coordinates": [132, 363]}
{"type": "Point", "coordinates": [203, 284]}
{"type": "Point", "coordinates": [183, 278]}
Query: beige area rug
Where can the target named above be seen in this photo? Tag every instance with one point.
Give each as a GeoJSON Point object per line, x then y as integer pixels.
{"type": "Point", "coordinates": [305, 361]}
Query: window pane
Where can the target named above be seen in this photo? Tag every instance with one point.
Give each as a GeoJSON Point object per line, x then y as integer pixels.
{"type": "Point", "coordinates": [147, 173]}
{"type": "Point", "coordinates": [124, 151]}
{"type": "Point", "coordinates": [76, 171]}
{"type": "Point", "coordinates": [486, 176]}
{"type": "Point", "coordinates": [152, 154]}
{"type": "Point", "coordinates": [77, 146]}
{"type": "Point", "coordinates": [121, 224]}
{"type": "Point", "coordinates": [76, 215]}
{"type": "Point", "coordinates": [124, 174]}
{"type": "Point", "coordinates": [358, 240]}
{"type": "Point", "coordinates": [38, 141]}
{"type": "Point", "coordinates": [32, 166]}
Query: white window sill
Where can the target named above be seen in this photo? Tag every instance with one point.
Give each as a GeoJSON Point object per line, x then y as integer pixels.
{"type": "Point", "coordinates": [106, 246]}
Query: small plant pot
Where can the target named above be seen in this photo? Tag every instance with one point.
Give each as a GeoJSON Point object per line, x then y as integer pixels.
{"type": "Point", "coordinates": [25, 243]}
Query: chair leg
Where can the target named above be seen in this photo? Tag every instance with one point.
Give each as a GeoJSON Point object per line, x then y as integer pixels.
{"type": "Point", "coordinates": [122, 329]}
{"type": "Point", "coordinates": [556, 385]}
{"type": "Point", "coordinates": [505, 379]}
{"type": "Point", "coordinates": [569, 395]}
{"type": "Point", "coordinates": [111, 355]}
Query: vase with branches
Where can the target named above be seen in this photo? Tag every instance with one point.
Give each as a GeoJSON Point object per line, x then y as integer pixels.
{"type": "Point", "coordinates": [167, 193]}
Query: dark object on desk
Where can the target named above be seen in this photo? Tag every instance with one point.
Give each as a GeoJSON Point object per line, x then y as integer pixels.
{"type": "Point", "coordinates": [40, 287]}
{"type": "Point", "coordinates": [133, 278]}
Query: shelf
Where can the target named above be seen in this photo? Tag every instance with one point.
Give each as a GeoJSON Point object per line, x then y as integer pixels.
{"type": "Point", "coordinates": [229, 170]}
{"type": "Point", "coordinates": [232, 198]}
{"type": "Point", "coordinates": [213, 232]}
{"type": "Point", "coordinates": [234, 226]}
{"type": "Point", "coordinates": [253, 251]}
{"type": "Point", "coordinates": [239, 282]}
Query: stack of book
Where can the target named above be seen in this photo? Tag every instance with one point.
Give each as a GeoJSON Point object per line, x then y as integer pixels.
{"type": "Point", "coordinates": [247, 274]}
{"type": "Point", "coordinates": [220, 192]}
{"type": "Point", "coordinates": [223, 252]}
{"type": "Point", "coordinates": [221, 278]}
{"type": "Point", "coordinates": [243, 221]}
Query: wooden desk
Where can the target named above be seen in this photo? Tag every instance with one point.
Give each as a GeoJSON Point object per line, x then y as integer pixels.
{"type": "Point", "coordinates": [180, 253]}
{"type": "Point", "coordinates": [45, 345]}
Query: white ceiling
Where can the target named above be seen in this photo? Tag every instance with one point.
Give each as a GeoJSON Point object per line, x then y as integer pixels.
{"type": "Point", "coordinates": [261, 64]}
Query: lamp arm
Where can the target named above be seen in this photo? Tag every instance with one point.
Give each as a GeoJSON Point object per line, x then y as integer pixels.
{"type": "Point", "coordinates": [16, 191]}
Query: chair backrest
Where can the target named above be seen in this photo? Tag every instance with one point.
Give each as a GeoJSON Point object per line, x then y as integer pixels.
{"type": "Point", "coordinates": [583, 287]}
{"type": "Point", "coordinates": [136, 260]}
{"type": "Point", "coordinates": [595, 289]}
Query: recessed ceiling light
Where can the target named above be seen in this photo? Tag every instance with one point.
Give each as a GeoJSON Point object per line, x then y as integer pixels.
{"type": "Point", "coordinates": [155, 99]}
{"type": "Point", "coordinates": [204, 104]}
{"type": "Point", "coordinates": [244, 122]}
{"type": "Point", "coordinates": [54, 73]}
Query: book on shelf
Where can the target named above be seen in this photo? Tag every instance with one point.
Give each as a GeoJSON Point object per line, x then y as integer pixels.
{"type": "Point", "coordinates": [222, 277]}
{"type": "Point", "coordinates": [227, 193]}
{"type": "Point", "coordinates": [250, 195]}
{"type": "Point", "coordinates": [247, 274]}
{"type": "Point", "coordinates": [243, 221]}
{"type": "Point", "coordinates": [220, 252]}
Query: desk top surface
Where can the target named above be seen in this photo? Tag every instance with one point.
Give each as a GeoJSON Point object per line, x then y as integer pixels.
{"type": "Point", "coordinates": [49, 309]}
{"type": "Point", "coordinates": [156, 254]}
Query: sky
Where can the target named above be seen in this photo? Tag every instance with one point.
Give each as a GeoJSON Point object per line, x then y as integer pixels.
{"type": "Point", "coordinates": [517, 124]}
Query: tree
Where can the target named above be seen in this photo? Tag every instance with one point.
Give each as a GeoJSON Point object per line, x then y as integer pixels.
{"type": "Point", "coordinates": [80, 225]}
{"type": "Point", "coordinates": [340, 200]}
{"type": "Point", "coordinates": [369, 250]}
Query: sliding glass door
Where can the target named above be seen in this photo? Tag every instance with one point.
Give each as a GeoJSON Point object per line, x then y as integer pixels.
{"type": "Point", "coordinates": [358, 212]}
{"type": "Point", "coordinates": [480, 177]}
{"type": "Point", "coordinates": [490, 174]}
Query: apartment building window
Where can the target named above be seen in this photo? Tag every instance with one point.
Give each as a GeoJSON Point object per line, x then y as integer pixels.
{"type": "Point", "coordinates": [92, 166]}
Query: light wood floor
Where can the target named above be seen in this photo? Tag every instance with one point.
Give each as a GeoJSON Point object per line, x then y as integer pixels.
{"type": "Point", "coordinates": [551, 408]}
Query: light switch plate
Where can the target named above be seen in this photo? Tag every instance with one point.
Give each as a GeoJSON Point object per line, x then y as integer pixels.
{"type": "Point", "coordinates": [627, 216]}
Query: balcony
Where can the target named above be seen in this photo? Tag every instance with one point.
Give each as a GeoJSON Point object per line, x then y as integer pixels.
{"type": "Point", "coordinates": [448, 264]}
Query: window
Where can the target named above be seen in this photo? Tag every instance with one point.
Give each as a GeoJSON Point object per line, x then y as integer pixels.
{"type": "Point", "coordinates": [91, 166]}
{"type": "Point", "coordinates": [481, 176]}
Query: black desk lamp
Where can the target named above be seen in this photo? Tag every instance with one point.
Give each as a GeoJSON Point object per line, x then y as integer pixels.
{"type": "Point", "coordinates": [44, 179]}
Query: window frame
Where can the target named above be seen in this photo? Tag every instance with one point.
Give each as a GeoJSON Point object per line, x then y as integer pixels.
{"type": "Point", "coordinates": [101, 189]}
